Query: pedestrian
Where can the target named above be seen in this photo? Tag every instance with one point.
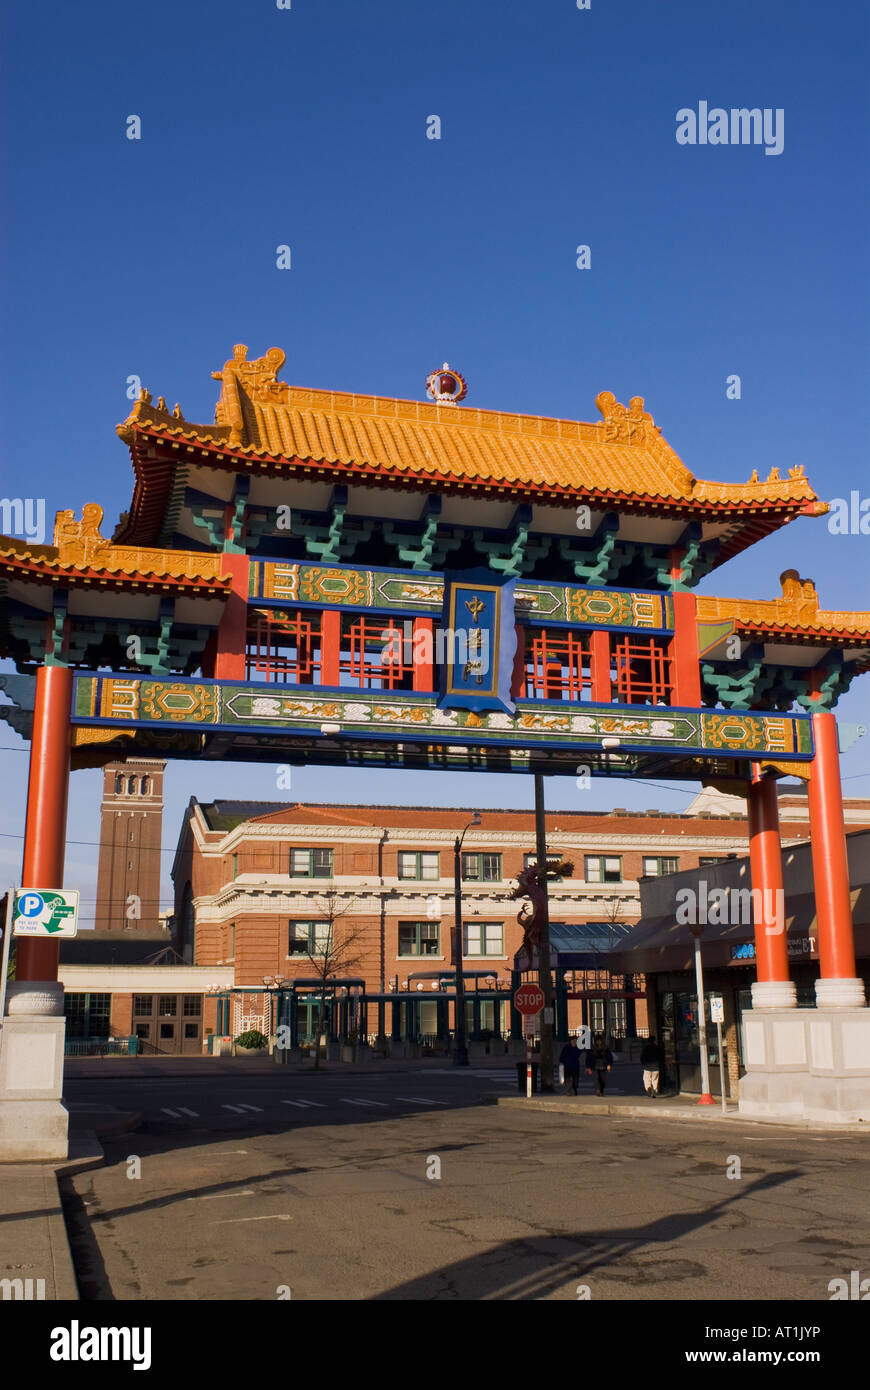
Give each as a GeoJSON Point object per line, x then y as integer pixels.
{"type": "Point", "coordinates": [651, 1059]}
{"type": "Point", "coordinates": [570, 1060]}
{"type": "Point", "coordinates": [599, 1060]}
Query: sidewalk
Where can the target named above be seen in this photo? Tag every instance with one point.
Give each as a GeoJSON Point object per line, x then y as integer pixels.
{"type": "Point", "coordinates": [34, 1246]}
{"type": "Point", "coordinates": [672, 1107]}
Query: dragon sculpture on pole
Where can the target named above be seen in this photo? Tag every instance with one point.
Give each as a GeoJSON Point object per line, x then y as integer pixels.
{"type": "Point", "coordinates": [531, 884]}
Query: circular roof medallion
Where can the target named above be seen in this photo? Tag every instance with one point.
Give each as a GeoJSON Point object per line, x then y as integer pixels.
{"type": "Point", "coordinates": [446, 386]}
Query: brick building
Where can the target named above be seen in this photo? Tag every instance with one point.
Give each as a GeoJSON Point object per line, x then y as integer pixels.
{"type": "Point", "coordinates": [256, 883]}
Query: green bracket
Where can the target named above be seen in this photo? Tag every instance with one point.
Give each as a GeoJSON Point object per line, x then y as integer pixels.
{"type": "Point", "coordinates": [599, 566]}
{"type": "Point", "coordinates": [834, 684]}
{"type": "Point", "coordinates": [741, 688]}
{"type": "Point", "coordinates": [425, 549]}
{"type": "Point", "coordinates": [236, 526]}
{"type": "Point", "coordinates": [54, 647]}
{"type": "Point", "coordinates": [515, 554]}
{"type": "Point", "coordinates": [333, 542]}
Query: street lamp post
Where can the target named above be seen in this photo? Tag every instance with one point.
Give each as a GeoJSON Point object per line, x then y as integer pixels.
{"type": "Point", "coordinates": [460, 1046]}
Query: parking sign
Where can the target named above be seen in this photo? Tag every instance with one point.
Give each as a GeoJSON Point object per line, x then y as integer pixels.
{"type": "Point", "coordinates": [45, 912]}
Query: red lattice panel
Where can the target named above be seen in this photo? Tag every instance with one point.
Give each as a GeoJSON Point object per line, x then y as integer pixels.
{"type": "Point", "coordinates": [642, 671]}
{"type": "Point", "coordinates": [558, 665]}
{"type": "Point", "coordinates": [376, 653]}
{"type": "Point", "coordinates": [283, 648]}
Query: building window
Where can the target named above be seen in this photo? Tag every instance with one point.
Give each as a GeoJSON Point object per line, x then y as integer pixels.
{"type": "Point", "coordinates": [119, 786]}
{"type": "Point", "coordinates": [167, 1030]}
{"type": "Point", "coordinates": [143, 786]}
{"type": "Point", "coordinates": [87, 1015]}
{"type": "Point", "coordinates": [308, 939]}
{"type": "Point", "coordinates": [191, 1030]}
{"type": "Point", "coordinates": [311, 863]}
{"type": "Point", "coordinates": [706, 860]}
{"type": "Point", "coordinates": [655, 865]}
{"type": "Point", "coordinates": [481, 868]}
{"type": "Point", "coordinates": [421, 866]}
{"type": "Point", "coordinates": [232, 941]}
{"type": "Point", "coordinates": [284, 646]}
{"type": "Point", "coordinates": [558, 664]}
{"type": "Point", "coordinates": [235, 866]}
{"type": "Point", "coordinates": [166, 1006]}
{"type": "Point", "coordinates": [143, 1004]}
{"type": "Point", "coordinates": [483, 939]}
{"type": "Point", "coordinates": [603, 868]}
{"type": "Point", "coordinates": [642, 671]}
{"type": "Point", "coordinates": [418, 938]}
{"type": "Point", "coordinates": [530, 860]}
{"type": "Point", "coordinates": [192, 1005]}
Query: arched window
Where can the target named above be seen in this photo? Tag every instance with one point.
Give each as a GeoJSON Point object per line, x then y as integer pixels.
{"type": "Point", "coordinates": [143, 786]}
{"type": "Point", "coordinates": [131, 786]}
{"type": "Point", "coordinates": [119, 785]}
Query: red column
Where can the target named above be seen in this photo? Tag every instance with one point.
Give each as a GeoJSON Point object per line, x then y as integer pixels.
{"type": "Point", "coordinates": [831, 871]}
{"type": "Point", "coordinates": [47, 789]}
{"type": "Point", "coordinates": [518, 676]}
{"type": "Point", "coordinates": [599, 649]}
{"type": "Point", "coordinates": [233, 630]}
{"type": "Point", "coordinates": [424, 654]}
{"type": "Point", "coordinates": [330, 647]}
{"type": "Point", "coordinates": [685, 663]}
{"type": "Point", "coordinates": [773, 989]}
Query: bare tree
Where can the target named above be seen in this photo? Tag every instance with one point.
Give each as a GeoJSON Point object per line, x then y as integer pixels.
{"type": "Point", "coordinates": [331, 953]}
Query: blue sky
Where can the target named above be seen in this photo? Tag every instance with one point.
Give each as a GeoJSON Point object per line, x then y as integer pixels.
{"type": "Point", "coordinates": [307, 127]}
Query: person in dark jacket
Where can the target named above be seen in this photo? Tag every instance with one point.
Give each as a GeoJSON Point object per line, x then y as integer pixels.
{"type": "Point", "coordinates": [570, 1060]}
{"type": "Point", "coordinates": [651, 1060]}
{"type": "Point", "coordinates": [599, 1060]}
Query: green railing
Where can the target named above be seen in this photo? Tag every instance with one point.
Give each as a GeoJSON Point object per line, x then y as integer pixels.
{"type": "Point", "coordinates": [101, 1047]}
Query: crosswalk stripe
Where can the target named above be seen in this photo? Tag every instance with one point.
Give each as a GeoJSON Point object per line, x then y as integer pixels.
{"type": "Point", "coordinates": [346, 1101]}
{"type": "Point", "coordinates": [166, 1111]}
{"type": "Point", "coordinates": [421, 1100]}
{"type": "Point", "coordinates": [193, 1113]}
{"type": "Point", "coordinates": [236, 1109]}
{"type": "Point", "coordinates": [243, 1105]}
{"type": "Point", "coordinates": [305, 1104]}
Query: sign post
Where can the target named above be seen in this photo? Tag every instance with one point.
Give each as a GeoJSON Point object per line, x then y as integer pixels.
{"type": "Point", "coordinates": [717, 1014]}
{"type": "Point", "coordinates": [529, 1001]}
{"type": "Point", "coordinates": [7, 940]}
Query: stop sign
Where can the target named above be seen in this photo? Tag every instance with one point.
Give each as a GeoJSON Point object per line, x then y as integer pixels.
{"type": "Point", "coordinates": [529, 999]}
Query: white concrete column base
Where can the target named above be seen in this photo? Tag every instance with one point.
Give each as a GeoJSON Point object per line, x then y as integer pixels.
{"type": "Point", "coordinates": [774, 994]}
{"type": "Point", "coordinates": [34, 1122]}
{"type": "Point", "coordinates": [809, 1064]}
{"type": "Point", "coordinates": [840, 994]}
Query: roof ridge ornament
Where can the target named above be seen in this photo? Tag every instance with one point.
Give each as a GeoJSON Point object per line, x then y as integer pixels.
{"type": "Point", "coordinates": [447, 386]}
{"type": "Point", "coordinates": [625, 424]}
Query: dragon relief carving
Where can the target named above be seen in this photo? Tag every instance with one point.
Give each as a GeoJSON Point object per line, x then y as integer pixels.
{"type": "Point", "coordinates": [530, 884]}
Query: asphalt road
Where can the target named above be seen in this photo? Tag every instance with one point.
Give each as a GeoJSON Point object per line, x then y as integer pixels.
{"type": "Point", "coordinates": [405, 1184]}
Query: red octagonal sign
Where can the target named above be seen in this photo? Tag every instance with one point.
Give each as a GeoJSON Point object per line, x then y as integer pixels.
{"type": "Point", "coordinates": [529, 999]}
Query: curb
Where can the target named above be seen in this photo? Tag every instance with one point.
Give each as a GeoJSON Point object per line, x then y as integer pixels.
{"type": "Point", "coordinates": [693, 1113]}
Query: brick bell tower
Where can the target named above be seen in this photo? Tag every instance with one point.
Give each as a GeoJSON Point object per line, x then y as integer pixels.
{"type": "Point", "coordinates": [131, 824]}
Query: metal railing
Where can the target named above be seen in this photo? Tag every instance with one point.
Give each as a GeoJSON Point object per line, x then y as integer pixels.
{"type": "Point", "coordinates": [101, 1047]}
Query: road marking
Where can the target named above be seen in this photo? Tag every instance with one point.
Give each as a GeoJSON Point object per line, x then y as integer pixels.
{"type": "Point", "coordinates": [236, 1109]}
{"type": "Point", "coordinates": [174, 1113]}
{"type": "Point", "coordinates": [184, 1110]}
{"type": "Point", "coordinates": [243, 1105]}
{"type": "Point", "coordinates": [221, 1196]}
{"type": "Point", "coordinates": [237, 1220]}
{"type": "Point", "coordinates": [345, 1101]}
{"type": "Point", "coordinates": [421, 1100]}
{"type": "Point", "coordinates": [305, 1104]}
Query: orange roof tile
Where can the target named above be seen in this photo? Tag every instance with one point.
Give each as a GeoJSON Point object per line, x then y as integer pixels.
{"type": "Point", "coordinates": [621, 456]}
{"type": "Point", "coordinates": [795, 614]}
{"type": "Point", "coordinates": [82, 556]}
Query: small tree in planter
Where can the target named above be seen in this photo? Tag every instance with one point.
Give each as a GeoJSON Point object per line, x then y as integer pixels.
{"type": "Point", "coordinates": [251, 1041]}
{"type": "Point", "coordinates": [331, 954]}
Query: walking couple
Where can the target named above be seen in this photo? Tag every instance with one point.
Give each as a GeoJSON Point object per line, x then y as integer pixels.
{"type": "Point", "coordinates": [598, 1062]}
